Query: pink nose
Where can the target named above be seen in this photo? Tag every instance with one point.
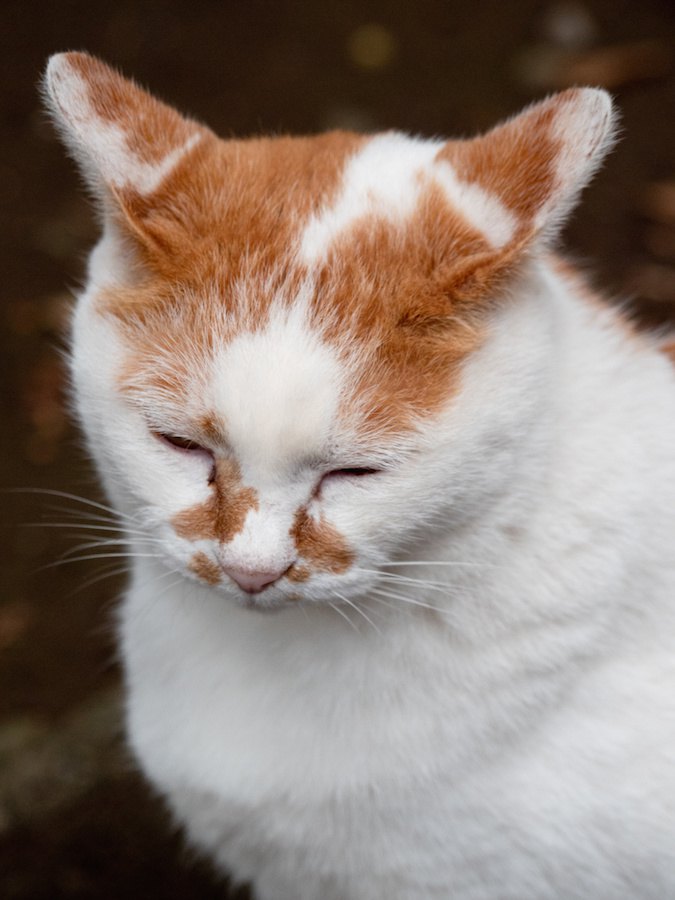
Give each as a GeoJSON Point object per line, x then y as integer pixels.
{"type": "Point", "coordinates": [253, 582]}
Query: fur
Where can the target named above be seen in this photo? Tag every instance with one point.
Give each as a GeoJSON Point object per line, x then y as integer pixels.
{"type": "Point", "coordinates": [400, 498]}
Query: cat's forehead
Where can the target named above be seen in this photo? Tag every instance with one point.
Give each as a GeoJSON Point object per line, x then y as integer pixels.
{"type": "Point", "coordinates": [393, 248]}
{"type": "Point", "coordinates": [275, 393]}
{"type": "Point", "coordinates": [317, 262]}
{"type": "Point", "coordinates": [297, 197]}
{"type": "Point", "coordinates": [387, 178]}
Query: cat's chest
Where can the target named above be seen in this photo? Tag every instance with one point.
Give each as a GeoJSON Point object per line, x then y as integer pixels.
{"type": "Point", "coordinates": [256, 713]}
{"type": "Point", "coordinates": [229, 699]}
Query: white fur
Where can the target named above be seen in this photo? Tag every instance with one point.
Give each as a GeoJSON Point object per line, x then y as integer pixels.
{"type": "Point", "coordinates": [585, 131]}
{"type": "Point", "coordinates": [518, 743]}
{"type": "Point", "coordinates": [482, 209]}
{"type": "Point", "coordinates": [278, 389]}
{"type": "Point", "coordinates": [497, 724]}
{"type": "Point", "coordinates": [385, 179]}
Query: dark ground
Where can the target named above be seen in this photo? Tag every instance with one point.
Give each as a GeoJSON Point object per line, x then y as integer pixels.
{"type": "Point", "coordinates": [75, 821]}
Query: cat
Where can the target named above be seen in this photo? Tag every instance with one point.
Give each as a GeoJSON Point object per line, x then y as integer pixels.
{"type": "Point", "coordinates": [399, 493]}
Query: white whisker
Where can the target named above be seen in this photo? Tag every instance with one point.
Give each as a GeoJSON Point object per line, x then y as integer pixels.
{"type": "Point", "coordinates": [407, 581]}
{"type": "Point", "coordinates": [94, 545]}
{"type": "Point", "coordinates": [344, 615]}
{"type": "Point", "coordinates": [110, 542]}
{"type": "Point", "coordinates": [358, 610]}
{"type": "Point", "coordinates": [101, 576]}
{"type": "Point", "coordinates": [396, 607]}
{"type": "Point", "coordinates": [65, 495]}
{"type": "Point", "coordinates": [404, 599]}
{"type": "Point", "coordinates": [85, 526]}
{"type": "Point", "coordinates": [62, 562]}
{"type": "Point", "coordinates": [85, 515]}
{"type": "Point", "coordinates": [445, 562]}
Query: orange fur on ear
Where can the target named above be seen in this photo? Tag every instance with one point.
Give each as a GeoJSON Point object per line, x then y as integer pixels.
{"type": "Point", "coordinates": [537, 163]}
{"type": "Point", "coordinates": [133, 149]}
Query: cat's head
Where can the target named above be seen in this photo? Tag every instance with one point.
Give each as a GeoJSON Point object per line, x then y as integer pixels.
{"type": "Point", "coordinates": [274, 349]}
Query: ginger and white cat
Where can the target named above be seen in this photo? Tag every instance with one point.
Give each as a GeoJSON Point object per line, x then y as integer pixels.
{"type": "Point", "coordinates": [344, 379]}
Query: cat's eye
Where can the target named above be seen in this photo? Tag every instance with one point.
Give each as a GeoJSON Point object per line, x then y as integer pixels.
{"type": "Point", "coordinates": [181, 443]}
{"type": "Point", "coordinates": [353, 472]}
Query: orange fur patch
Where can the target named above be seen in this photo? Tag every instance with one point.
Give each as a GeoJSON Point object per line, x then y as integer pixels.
{"type": "Point", "coordinates": [222, 516]}
{"type": "Point", "coordinates": [151, 129]}
{"type": "Point", "coordinates": [320, 545]}
{"type": "Point", "coordinates": [235, 212]}
{"type": "Point", "coordinates": [234, 217]}
{"type": "Point", "coordinates": [411, 294]}
{"type": "Point", "coordinates": [669, 349]}
{"type": "Point", "coordinates": [205, 569]}
{"type": "Point", "coordinates": [516, 161]}
{"type": "Point", "coordinates": [222, 234]}
{"type": "Point", "coordinates": [411, 297]}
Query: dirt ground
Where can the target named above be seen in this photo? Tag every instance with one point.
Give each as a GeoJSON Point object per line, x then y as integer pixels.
{"type": "Point", "coordinates": [76, 821]}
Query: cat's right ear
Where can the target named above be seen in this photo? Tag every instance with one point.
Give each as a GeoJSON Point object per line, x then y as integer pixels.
{"type": "Point", "coordinates": [130, 147]}
{"type": "Point", "coordinates": [535, 165]}
{"type": "Point", "coordinates": [521, 179]}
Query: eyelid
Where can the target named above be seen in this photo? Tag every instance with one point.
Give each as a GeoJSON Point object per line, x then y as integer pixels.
{"type": "Point", "coordinates": [352, 472]}
{"type": "Point", "coordinates": [178, 442]}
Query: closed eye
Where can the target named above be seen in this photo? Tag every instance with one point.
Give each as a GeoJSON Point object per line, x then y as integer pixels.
{"type": "Point", "coordinates": [353, 472]}
{"type": "Point", "coordinates": [181, 443]}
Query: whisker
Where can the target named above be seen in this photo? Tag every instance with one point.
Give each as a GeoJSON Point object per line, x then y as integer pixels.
{"type": "Point", "coordinates": [85, 515]}
{"type": "Point", "coordinates": [344, 615]}
{"type": "Point", "coordinates": [109, 573]}
{"type": "Point", "coordinates": [403, 599]}
{"type": "Point", "coordinates": [118, 542]}
{"type": "Point", "coordinates": [358, 610]}
{"type": "Point", "coordinates": [172, 584]}
{"type": "Point", "coordinates": [84, 526]}
{"type": "Point", "coordinates": [62, 562]}
{"type": "Point", "coordinates": [407, 581]}
{"type": "Point", "coordinates": [396, 607]}
{"type": "Point", "coordinates": [156, 578]}
{"type": "Point", "coordinates": [65, 495]}
{"type": "Point", "coordinates": [444, 562]}
{"type": "Point", "coordinates": [91, 545]}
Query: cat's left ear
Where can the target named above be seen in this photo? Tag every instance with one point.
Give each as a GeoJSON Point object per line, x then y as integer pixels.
{"type": "Point", "coordinates": [519, 181]}
{"type": "Point", "coordinates": [130, 147]}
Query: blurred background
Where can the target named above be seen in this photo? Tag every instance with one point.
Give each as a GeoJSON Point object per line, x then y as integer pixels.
{"type": "Point", "coordinates": [75, 820]}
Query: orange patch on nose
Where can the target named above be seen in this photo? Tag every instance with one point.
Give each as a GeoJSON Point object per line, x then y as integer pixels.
{"type": "Point", "coordinates": [320, 545]}
{"type": "Point", "coordinates": [205, 569]}
{"type": "Point", "coordinates": [222, 516]}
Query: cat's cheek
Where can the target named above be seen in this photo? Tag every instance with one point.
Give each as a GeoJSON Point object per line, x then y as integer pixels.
{"type": "Point", "coordinates": [355, 512]}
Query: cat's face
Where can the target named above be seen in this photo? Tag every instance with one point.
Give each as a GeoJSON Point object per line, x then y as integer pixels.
{"type": "Point", "coordinates": [272, 352]}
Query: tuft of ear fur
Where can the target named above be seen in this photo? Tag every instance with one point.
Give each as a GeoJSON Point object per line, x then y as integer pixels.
{"type": "Point", "coordinates": [535, 165]}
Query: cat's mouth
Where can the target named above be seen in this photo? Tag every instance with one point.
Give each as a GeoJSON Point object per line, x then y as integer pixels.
{"type": "Point", "coordinates": [266, 604]}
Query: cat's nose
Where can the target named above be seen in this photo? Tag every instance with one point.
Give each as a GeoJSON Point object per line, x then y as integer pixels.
{"type": "Point", "coordinates": [253, 582]}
